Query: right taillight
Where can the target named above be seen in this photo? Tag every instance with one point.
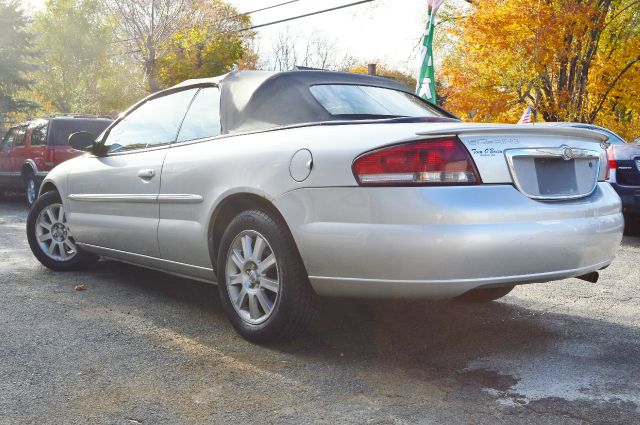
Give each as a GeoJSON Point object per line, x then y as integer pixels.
{"type": "Point", "coordinates": [420, 163]}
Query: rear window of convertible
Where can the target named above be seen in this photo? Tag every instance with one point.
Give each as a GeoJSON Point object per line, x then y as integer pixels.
{"type": "Point", "coordinates": [355, 101]}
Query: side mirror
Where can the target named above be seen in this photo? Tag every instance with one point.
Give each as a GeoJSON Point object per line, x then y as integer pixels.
{"type": "Point", "coordinates": [82, 141]}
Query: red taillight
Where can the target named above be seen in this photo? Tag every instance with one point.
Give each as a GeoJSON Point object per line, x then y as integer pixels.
{"type": "Point", "coordinates": [426, 162]}
{"type": "Point", "coordinates": [611, 161]}
{"type": "Point", "coordinates": [51, 155]}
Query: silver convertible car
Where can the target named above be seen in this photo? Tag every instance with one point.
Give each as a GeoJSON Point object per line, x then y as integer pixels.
{"type": "Point", "coordinates": [284, 186]}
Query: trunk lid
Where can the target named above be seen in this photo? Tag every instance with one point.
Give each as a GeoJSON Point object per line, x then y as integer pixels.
{"type": "Point", "coordinates": [543, 162]}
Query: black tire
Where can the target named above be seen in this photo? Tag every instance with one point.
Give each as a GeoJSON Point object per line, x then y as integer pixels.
{"type": "Point", "coordinates": [79, 260]}
{"type": "Point", "coordinates": [31, 188]}
{"type": "Point", "coordinates": [631, 224]}
{"type": "Point", "coordinates": [294, 305]}
{"type": "Point", "coordinates": [484, 295]}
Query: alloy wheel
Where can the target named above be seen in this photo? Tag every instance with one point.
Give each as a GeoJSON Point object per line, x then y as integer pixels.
{"type": "Point", "coordinates": [53, 234]}
{"type": "Point", "coordinates": [31, 191]}
{"type": "Point", "coordinates": [252, 277]}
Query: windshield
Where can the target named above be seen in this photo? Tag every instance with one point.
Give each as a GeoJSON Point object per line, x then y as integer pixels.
{"type": "Point", "coordinates": [355, 101]}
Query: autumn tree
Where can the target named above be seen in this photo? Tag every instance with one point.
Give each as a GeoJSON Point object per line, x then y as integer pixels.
{"type": "Point", "coordinates": [16, 59]}
{"type": "Point", "coordinates": [145, 28]}
{"type": "Point", "coordinates": [386, 71]}
{"type": "Point", "coordinates": [573, 60]}
{"type": "Point", "coordinates": [209, 42]}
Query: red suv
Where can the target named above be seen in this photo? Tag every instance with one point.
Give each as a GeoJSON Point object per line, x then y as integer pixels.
{"type": "Point", "coordinates": [30, 150]}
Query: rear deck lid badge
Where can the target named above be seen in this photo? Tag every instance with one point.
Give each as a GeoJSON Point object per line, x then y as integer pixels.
{"type": "Point", "coordinates": [567, 153]}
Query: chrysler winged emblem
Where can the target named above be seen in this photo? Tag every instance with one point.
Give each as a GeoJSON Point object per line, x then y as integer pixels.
{"type": "Point", "coordinates": [567, 153]}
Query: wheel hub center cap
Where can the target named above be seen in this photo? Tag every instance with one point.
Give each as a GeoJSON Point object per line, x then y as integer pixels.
{"type": "Point", "coordinates": [252, 274]}
{"type": "Point", "coordinates": [59, 232]}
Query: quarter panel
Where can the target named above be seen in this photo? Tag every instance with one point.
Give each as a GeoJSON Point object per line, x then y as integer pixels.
{"type": "Point", "coordinates": [256, 164]}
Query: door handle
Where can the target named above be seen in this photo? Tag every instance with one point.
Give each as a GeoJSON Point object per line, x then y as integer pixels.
{"type": "Point", "coordinates": [147, 174]}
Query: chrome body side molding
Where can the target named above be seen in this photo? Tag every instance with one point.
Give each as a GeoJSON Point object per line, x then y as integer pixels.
{"type": "Point", "coordinates": [113, 198]}
{"type": "Point", "coordinates": [180, 198]}
{"type": "Point", "coordinates": [142, 198]}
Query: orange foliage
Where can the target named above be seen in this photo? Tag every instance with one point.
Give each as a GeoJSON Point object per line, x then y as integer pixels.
{"type": "Point", "coordinates": [576, 60]}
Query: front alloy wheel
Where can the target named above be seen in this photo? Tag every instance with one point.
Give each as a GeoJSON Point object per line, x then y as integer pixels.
{"type": "Point", "coordinates": [54, 236]}
{"type": "Point", "coordinates": [50, 237]}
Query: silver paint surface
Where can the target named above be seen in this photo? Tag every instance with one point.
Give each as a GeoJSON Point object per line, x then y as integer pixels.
{"type": "Point", "coordinates": [423, 241]}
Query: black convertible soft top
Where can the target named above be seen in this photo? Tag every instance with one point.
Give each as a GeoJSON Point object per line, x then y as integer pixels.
{"type": "Point", "coordinates": [261, 100]}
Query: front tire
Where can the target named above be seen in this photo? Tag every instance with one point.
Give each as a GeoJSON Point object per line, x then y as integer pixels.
{"type": "Point", "coordinates": [50, 237]}
{"type": "Point", "coordinates": [484, 295]}
{"type": "Point", "coordinates": [264, 288]}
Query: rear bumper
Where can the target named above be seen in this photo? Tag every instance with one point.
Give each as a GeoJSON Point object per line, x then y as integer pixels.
{"type": "Point", "coordinates": [443, 241]}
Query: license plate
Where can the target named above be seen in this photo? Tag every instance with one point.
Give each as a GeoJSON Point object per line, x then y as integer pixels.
{"type": "Point", "coordinates": [556, 176]}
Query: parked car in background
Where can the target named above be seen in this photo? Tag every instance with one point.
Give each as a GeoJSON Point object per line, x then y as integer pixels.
{"type": "Point", "coordinates": [281, 186]}
{"type": "Point", "coordinates": [30, 150]}
{"type": "Point", "coordinates": [624, 163]}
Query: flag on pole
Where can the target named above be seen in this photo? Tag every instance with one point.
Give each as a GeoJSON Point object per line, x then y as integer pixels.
{"type": "Point", "coordinates": [527, 117]}
{"type": "Point", "coordinates": [426, 87]}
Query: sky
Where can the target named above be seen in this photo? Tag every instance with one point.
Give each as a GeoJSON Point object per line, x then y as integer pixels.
{"type": "Point", "coordinates": [385, 31]}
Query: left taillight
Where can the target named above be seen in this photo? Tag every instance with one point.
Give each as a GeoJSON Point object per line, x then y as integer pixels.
{"type": "Point", "coordinates": [420, 163]}
{"type": "Point", "coordinates": [611, 162]}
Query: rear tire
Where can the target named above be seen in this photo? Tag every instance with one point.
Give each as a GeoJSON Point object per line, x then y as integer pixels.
{"type": "Point", "coordinates": [31, 188]}
{"type": "Point", "coordinates": [632, 224]}
{"type": "Point", "coordinates": [484, 295]}
{"type": "Point", "coordinates": [264, 288]}
{"type": "Point", "coordinates": [50, 237]}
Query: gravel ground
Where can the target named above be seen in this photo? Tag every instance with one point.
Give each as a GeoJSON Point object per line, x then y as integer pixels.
{"type": "Point", "coordinates": [139, 346]}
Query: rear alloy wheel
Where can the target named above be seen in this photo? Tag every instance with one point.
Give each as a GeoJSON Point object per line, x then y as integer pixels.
{"type": "Point", "coordinates": [484, 295]}
{"type": "Point", "coordinates": [263, 285]}
{"type": "Point", "coordinates": [50, 237]}
{"type": "Point", "coordinates": [252, 277]}
{"type": "Point", "coordinates": [30, 189]}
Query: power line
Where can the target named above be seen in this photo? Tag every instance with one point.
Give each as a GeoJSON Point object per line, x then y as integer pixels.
{"type": "Point", "coordinates": [305, 15]}
{"type": "Point", "coordinates": [267, 8]}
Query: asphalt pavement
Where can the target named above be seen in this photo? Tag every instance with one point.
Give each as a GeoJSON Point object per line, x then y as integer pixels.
{"type": "Point", "coordinates": [141, 347]}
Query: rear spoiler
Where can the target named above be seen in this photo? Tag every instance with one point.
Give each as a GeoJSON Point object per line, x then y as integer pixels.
{"type": "Point", "coordinates": [508, 129]}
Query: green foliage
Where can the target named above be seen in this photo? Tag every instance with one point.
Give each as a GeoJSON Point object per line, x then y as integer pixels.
{"type": "Point", "coordinates": [206, 47]}
{"type": "Point", "coordinates": [81, 71]}
{"type": "Point", "coordinates": [16, 56]}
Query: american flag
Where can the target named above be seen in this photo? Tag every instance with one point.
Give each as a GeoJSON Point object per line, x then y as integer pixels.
{"type": "Point", "coordinates": [527, 117]}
